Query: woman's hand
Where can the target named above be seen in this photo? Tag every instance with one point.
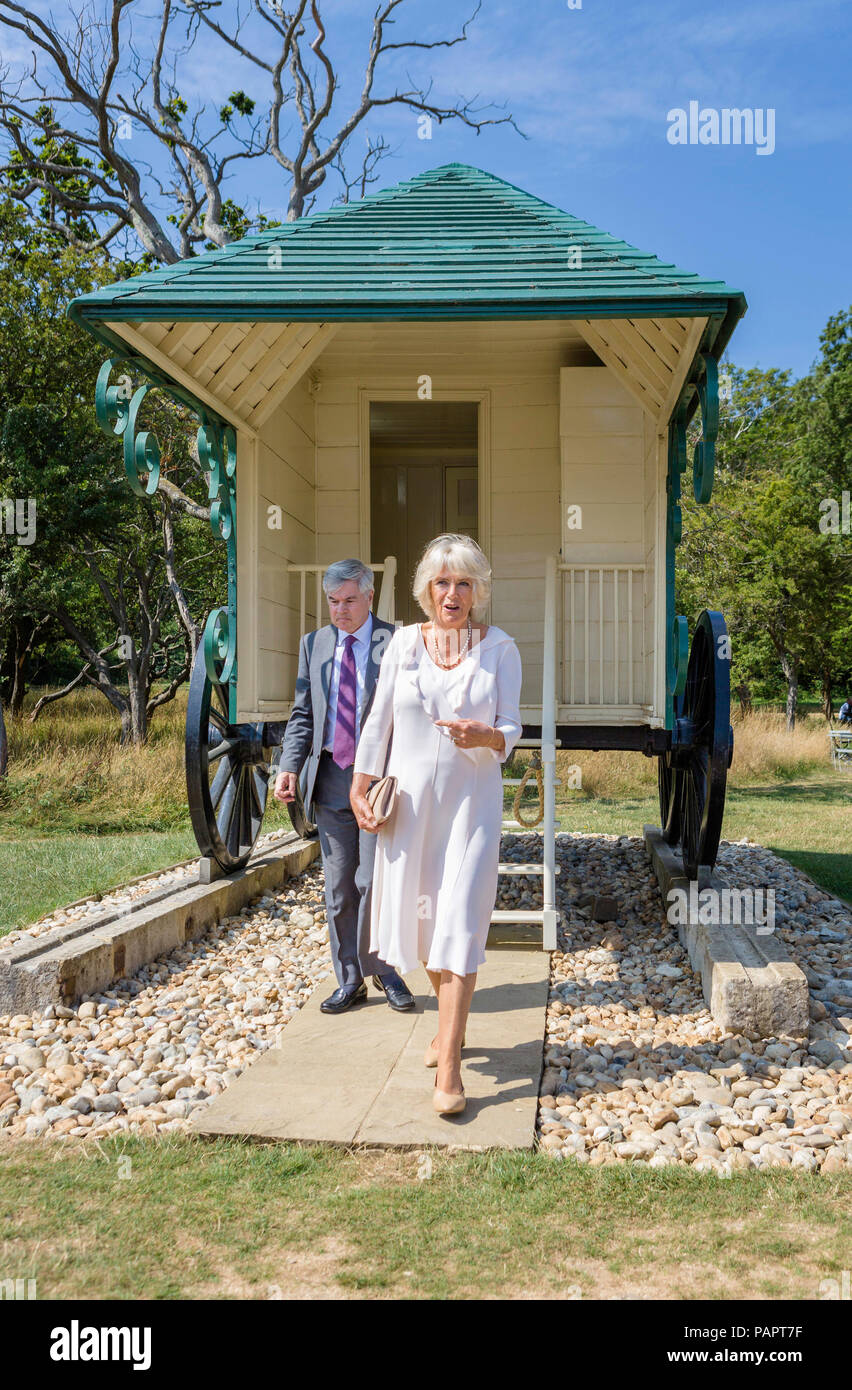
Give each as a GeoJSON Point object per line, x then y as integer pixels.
{"type": "Point", "coordinates": [472, 733]}
{"type": "Point", "coordinates": [361, 807]}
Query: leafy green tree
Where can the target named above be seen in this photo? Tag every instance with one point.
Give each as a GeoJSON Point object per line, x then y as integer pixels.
{"type": "Point", "coordinates": [102, 563]}
{"type": "Point", "coordinates": [89, 578]}
{"type": "Point", "coordinates": [757, 548]}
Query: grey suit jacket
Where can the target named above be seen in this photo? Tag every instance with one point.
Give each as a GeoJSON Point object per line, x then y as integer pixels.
{"type": "Point", "coordinates": [302, 743]}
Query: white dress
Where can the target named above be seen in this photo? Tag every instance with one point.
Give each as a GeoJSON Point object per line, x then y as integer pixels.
{"type": "Point", "coordinates": [435, 877]}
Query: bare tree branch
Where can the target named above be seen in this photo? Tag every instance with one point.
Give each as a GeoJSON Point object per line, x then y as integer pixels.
{"type": "Point", "coordinates": [80, 677]}
{"type": "Point", "coordinates": [94, 193]}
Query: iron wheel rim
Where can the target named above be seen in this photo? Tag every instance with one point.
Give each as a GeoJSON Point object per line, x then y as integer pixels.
{"type": "Point", "coordinates": [227, 783]}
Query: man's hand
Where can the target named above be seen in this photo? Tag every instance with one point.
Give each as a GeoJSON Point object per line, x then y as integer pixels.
{"type": "Point", "coordinates": [472, 733]}
{"type": "Point", "coordinates": [285, 786]}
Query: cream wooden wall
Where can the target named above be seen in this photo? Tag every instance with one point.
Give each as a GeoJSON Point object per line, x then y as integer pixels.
{"type": "Point", "coordinates": [277, 526]}
{"type": "Point", "coordinates": [656, 466]}
{"type": "Point", "coordinates": [608, 519]}
{"type": "Point", "coordinates": [556, 429]}
{"type": "Point", "coordinates": [515, 368]}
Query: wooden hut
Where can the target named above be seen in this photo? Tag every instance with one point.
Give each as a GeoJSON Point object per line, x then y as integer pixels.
{"type": "Point", "coordinates": [449, 354]}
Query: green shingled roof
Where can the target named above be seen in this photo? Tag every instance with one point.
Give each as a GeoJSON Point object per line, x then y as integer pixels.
{"type": "Point", "coordinates": [454, 242]}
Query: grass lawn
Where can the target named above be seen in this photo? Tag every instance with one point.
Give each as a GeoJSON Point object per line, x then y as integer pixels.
{"type": "Point", "coordinates": [38, 875]}
{"type": "Point", "coordinates": [42, 873]}
{"type": "Point", "coordinates": [807, 821]}
{"type": "Point", "coordinates": [184, 1218]}
{"type": "Point", "coordinates": [79, 814]}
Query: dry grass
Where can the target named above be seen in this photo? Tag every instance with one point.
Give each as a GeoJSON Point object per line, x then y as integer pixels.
{"type": "Point", "coordinates": [69, 770]}
{"type": "Point", "coordinates": [179, 1217]}
{"type": "Point", "coordinates": [764, 752]}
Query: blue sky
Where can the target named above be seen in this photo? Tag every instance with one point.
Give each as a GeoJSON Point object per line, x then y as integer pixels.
{"type": "Point", "coordinates": [591, 88]}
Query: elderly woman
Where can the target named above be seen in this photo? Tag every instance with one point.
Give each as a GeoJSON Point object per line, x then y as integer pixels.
{"type": "Point", "coordinates": [448, 691]}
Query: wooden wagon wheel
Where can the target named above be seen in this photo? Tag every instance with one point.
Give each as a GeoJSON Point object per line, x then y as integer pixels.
{"type": "Point", "coordinates": [705, 743]}
{"type": "Point", "coordinates": [669, 786]}
{"type": "Point", "coordinates": [302, 826]}
{"type": "Point", "coordinates": [273, 733]}
{"type": "Point", "coordinates": [226, 773]}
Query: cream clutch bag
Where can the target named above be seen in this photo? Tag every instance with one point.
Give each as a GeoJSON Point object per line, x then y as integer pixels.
{"type": "Point", "coordinates": [382, 798]}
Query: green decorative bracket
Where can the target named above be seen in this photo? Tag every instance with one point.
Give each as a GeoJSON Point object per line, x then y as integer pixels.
{"type": "Point", "coordinates": [677, 638]}
{"type": "Point", "coordinates": [677, 655]}
{"type": "Point", "coordinates": [677, 466]}
{"type": "Point", "coordinates": [217, 452]}
{"type": "Point", "coordinates": [704, 459]}
{"type": "Point", "coordinates": [117, 408]}
{"type": "Point", "coordinates": [705, 382]}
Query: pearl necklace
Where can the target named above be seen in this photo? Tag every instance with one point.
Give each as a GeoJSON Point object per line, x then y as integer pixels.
{"type": "Point", "coordinates": [445, 665]}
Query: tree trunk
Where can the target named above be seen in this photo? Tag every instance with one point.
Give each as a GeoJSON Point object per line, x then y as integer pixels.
{"type": "Point", "coordinates": [790, 667]}
{"type": "Point", "coordinates": [827, 686]}
{"type": "Point", "coordinates": [4, 747]}
{"type": "Point", "coordinates": [24, 634]}
{"type": "Point", "coordinates": [744, 695]}
{"type": "Point", "coordinates": [180, 599]}
{"type": "Point", "coordinates": [134, 729]}
{"type": "Point", "coordinates": [23, 637]}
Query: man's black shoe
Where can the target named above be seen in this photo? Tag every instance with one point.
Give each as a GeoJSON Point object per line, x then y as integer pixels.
{"type": "Point", "coordinates": [399, 996]}
{"type": "Point", "coordinates": [343, 998]}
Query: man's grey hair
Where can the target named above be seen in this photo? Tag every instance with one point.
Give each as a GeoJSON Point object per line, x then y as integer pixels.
{"type": "Point", "coordinates": [342, 570]}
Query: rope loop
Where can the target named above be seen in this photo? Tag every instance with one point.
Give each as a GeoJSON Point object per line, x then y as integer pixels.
{"type": "Point", "coordinates": [534, 768]}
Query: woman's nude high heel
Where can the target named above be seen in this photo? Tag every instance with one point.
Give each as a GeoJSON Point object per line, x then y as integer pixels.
{"type": "Point", "coordinates": [430, 1056]}
{"type": "Point", "coordinates": [445, 1103]}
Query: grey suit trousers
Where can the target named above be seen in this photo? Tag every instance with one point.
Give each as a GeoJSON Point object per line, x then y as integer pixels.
{"type": "Point", "coordinates": [348, 895]}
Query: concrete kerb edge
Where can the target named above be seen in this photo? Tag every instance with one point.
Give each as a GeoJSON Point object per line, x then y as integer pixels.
{"type": "Point", "coordinates": [750, 984]}
{"type": "Point", "coordinates": [63, 972]}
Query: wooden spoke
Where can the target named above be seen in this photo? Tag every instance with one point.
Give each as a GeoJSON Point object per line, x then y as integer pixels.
{"type": "Point", "coordinates": [220, 710]}
{"type": "Point", "coordinates": [220, 782]}
{"type": "Point", "coordinates": [218, 721]}
{"type": "Point", "coordinates": [298, 819]}
{"type": "Point", "coordinates": [669, 788]}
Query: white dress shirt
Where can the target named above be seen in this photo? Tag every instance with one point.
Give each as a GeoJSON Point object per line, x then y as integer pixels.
{"type": "Point", "coordinates": [360, 651]}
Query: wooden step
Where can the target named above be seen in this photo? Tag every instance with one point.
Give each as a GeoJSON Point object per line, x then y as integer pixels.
{"type": "Point", "coordinates": [535, 742]}
{"type": "Point", "coordinates": [521, 915]}
{"type": "Point", "coordinates": [510, 868]}
{"type": "Point", "coordinates": [516, 782]}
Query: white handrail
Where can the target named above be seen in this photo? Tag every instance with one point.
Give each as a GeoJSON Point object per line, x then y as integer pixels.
{"type": "Point", "coordinates": [592, 617]}
{"type": "Point", "coordinates": [840, 743]}
{"type": "Point", "coordinates": [548, 757]}
{"type": "Point", "coordinates": [385, 608]}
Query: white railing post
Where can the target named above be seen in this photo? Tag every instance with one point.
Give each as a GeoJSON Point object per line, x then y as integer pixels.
{"type": "Point", "coordinates": [386, 607]}
{"type": "Point", "coordinates": [548, 757]}
{"type": "Point", "coordinates": [595, 614]}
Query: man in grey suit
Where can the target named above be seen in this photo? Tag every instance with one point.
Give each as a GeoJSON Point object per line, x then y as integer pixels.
{"type": "Point", "coordinates": [338, 670]}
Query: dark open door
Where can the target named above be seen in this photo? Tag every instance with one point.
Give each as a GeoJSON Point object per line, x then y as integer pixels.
{"type": "Point", "coordinates": [423, 481]}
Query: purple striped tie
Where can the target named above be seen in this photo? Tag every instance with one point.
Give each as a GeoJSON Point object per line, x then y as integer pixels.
{"type": "Point", "coordinates": [344, 728]}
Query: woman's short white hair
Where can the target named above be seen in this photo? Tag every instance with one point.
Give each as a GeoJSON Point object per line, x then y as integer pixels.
{"type": "Point", "coordinates": [462, 557]}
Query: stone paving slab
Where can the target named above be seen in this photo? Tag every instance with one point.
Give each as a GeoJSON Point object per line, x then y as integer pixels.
{"type": "Point", "coordinates": [72, 960]}
{"type": "Point", "coordinates": [359, 1078]}
{"type": "Point", "coordinates": [750, 984]}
